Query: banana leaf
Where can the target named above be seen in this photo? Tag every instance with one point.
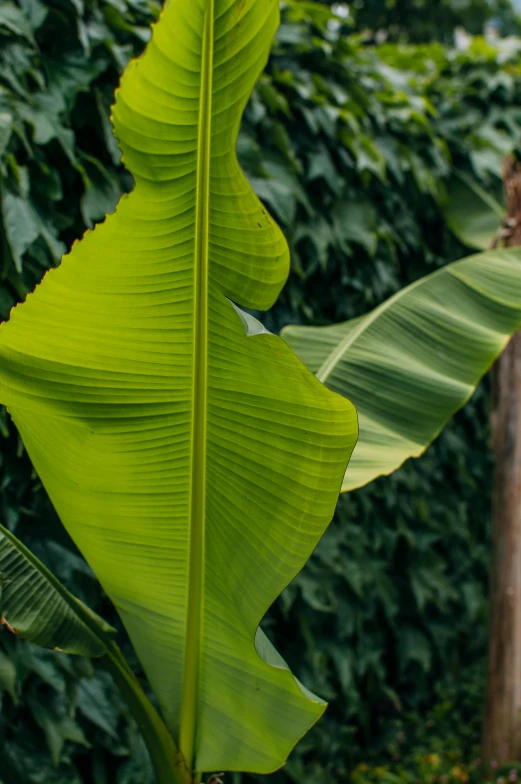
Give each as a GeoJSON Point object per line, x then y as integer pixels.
{"type": "Point", "coordinates": [474, 214]}
{"type": "Point", "coordinates": [192, 457]}
{"type": "Point", "coordinates": [411, 363]}
{"type": "Point", "coordinates": [36, 606]}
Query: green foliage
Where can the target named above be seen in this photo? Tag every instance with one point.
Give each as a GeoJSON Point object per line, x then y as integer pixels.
{"type": "Point", "coordinates": [394, 597]}
{"type": "Point", "coordinates": [164, 433]}
{"type": "Point", "coordinates": [58, 155]}
{"type": "Point", "coordinates": [442, 746]}
{"type": "Point", "coordinates": [61, 718]}
{"type": "Point", "coordinates": [432, 20]}
{"type": "Point", "coordinates": [35, 606]}
{"type": "Point", "coordinates": [353, 150]}
{"type": "Point", "coordinates": [56, 158]}
{"type": "Point", "coordinates": [414, 361]}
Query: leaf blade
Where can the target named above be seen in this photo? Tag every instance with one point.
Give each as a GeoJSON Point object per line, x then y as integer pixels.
{"type": "Point", "coordinates": [474, 215]}
{"type": "Point", "coordinates": [99, 371]}
{"type": "Point", "coordinates": [410, 364]}
{"type": "Point", "coordinates": [34, 605]}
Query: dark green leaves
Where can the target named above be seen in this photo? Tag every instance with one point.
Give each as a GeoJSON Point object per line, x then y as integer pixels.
{"type": "Point", "coordinates": [58, 69]}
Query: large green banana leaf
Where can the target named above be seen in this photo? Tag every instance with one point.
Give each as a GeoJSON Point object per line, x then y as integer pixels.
{"type": "Point", "coordinates": [411, 363]}
{"type": "Point", "coordinates": [36, 606]}
{"type": "Point", "coordinates": [195, 464]}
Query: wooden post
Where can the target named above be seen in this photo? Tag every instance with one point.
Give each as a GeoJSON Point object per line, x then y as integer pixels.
{"type": "Point", "coordinates": [502, 732]}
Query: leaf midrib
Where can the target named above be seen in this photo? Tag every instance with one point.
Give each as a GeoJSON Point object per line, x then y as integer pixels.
{"type": "Point", "coordinates": [199, 402]}
{"type": "Point", "coordinates": [338, 353]}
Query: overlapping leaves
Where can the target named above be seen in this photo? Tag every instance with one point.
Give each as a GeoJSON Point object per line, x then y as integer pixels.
{"type": "Point", "coordinates": [406, 552]}
{"type": "Point", "coordinates": [171, 442]}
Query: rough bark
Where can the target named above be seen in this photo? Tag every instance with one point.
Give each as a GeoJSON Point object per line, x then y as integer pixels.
{"type": "Point", "coordinates": [502, 733]}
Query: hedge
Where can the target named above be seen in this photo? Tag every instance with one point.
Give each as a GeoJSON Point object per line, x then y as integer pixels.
{"type": "Point", "coordinates": [351, 148]}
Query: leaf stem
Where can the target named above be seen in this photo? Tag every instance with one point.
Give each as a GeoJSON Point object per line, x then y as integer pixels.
{"type": "Point", "coordinates": [194, 619]}
{"type": "Point", "coordinates": [167, 760]}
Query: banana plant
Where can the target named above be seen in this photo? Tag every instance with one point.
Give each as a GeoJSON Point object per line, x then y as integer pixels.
{"type": "Point", "coordinates": [411, 363]}
{"type": "Point", "coordinates": [195, 461]}
{"type": "Point", "coordinates": [192, 457]}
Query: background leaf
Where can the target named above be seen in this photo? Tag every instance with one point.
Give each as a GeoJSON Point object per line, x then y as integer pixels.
{"type": "Point", "coordinates": [34, 605]}
{"type": "Point", "coordinates": [474, 214]}
{"type": "Point", "coordinates": [414, 361]}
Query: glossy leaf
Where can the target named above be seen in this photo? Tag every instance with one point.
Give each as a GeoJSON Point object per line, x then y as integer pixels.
{"type": "Point", "coordinates": [191, 456]}
{"type": "Point", "coordinates": [37, 607]}
{"type": "Point", "coordinates": [410, 364]}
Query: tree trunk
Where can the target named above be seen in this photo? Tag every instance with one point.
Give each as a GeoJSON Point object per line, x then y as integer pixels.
{"type": "Point", "coordinates": [502, 734]}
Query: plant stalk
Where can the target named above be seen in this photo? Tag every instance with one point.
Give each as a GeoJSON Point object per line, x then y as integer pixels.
{"type": "Point", "coordinates": [167, 760]}
{"type": "Point", "coordinates": [502, 726]}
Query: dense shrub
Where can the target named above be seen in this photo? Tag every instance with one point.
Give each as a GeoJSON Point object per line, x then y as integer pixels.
{"type": "Point", "coordinates": [434, 20]}
{"type": "Point", "coordinates": [352, 149]}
